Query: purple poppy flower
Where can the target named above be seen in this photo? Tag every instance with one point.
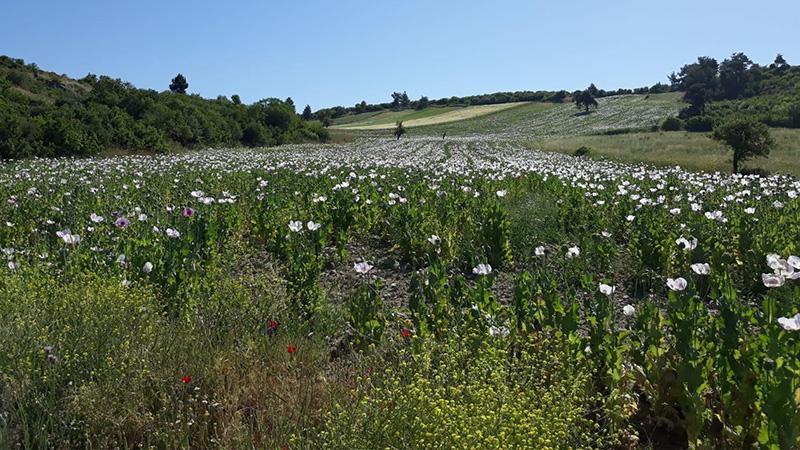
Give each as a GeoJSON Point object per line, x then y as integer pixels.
{"type": "Point", "coordinates": [122, 223]}
{"type": "Point", "coordinates": [188, 212]}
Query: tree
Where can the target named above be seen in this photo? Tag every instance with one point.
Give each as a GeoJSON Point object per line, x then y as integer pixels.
{"type": "Point", "coordinates": [585, 99]}
{"type": "Point", "coordinates": [423, 102]}
{"type": "Point", "coordinates": [179, 84]}
{"type": "Point", "coordinates": [307, 114]}
{"type": "Point", "coordinates": [746, 137]}
{"type": "Point", "coordinates": [736, 77]}
{"type": "Point", "coordinates": [396, 100]}
{"type": "Point", "coordinates": [236, 99]}
{"type": "Point", "coordinates": [699, 81]}
{"type": "Point", "coordinates": [399, 130]}
{"type": "Point", "coordinates": [593, 90]}
{"type": "Point", "coordinates": [780, 65]}
{"type": "Point", "coordinates": [404, 100]}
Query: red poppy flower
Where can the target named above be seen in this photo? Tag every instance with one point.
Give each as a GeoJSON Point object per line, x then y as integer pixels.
{"type": "Point", "coordinates": [406, 333]}
{"type": "Point", "coordinates": [272, 325]}
{"type": "Point", "coordinates": [291, 349]}
{"type": "Point", "coordinates": [187, 379]}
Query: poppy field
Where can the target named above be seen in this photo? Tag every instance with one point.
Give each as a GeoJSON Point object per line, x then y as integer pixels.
{"type": "Point", "coordinates": [422, 293]}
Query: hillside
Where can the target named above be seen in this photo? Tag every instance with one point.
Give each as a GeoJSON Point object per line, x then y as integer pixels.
{"type": "Point", "coordinates": [415, 118]}
{"type": "Point", "coordinates": [46, 114]}
{"type": "Point", "coordinates": [540, 120]}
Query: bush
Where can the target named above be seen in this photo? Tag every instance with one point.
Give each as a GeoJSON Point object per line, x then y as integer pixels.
{"type": "Point", "coordinates": [672, 124]}
{"type": "Point", "coordinates": [582, 151]}
{"type": "Point", "coordinates": [756, 171]}
{"type": "Point", "coordinates": [455, 396]}
{"type": "Point", "coordinates": [255, 135]}
{"type": "Point", "coordinates": [699, 124]}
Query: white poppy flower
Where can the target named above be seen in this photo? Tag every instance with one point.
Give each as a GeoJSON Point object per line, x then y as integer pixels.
{"type": "Point", "coordinates": [701, 268]}
{"type": "Point", "coordinates": [434, 239]}
{"type": "Point", "coordinates": [790, 323]}
{"type": "Point", "coordinates": [539, 251]}
{"type": "Point", "coordinates": [677, 284]}
{"type": "Point", "coordinates": [312, 226]}
{"type": "Point", "coordinates": [573, 251]}
{"type": "Point", "coordinates": [173, 233]}
{"type": "Point", "coordinates": [498, 331]}
{"type": "Point", "coordinates": [606, 289]}
{"type": "Point", "coordinates": [482, 269]}
{"type": "Point", "coordinates": [628, 310]}
{"type": "Point", "coordinates": [96, 219]}
{"type": "Point", "coordinates": [772, 280]}
{"type": "Point", "coordinates": [148, 267]}
{"type": "Point", "coordinates": [295, 226]}
{"type": "Point", "coordinates": [362, 267]}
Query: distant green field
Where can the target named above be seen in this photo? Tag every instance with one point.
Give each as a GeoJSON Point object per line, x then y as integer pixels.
{"type": "Point", "coordinates": [696, 151]}
{"type": "Point", "coordinates": [526, 121]}
{"type": "Point", "coordinates": [429, 116]}
{"type": "Point", "coordinates": [389, 117]}
{"type": "Point", "coordinates": [552, 120]}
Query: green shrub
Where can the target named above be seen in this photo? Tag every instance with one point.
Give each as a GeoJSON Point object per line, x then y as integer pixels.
{"type": "Point", "coordinates": [582, 151]}
{"type": "Point", "coordinates": [672, 124]}
{"type": "Point", "coordinates": [699, 124]}
{"type": "Point", "coordinates": [456, 396]}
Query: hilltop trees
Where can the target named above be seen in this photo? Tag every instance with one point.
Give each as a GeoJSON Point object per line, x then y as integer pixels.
{"type": "Point", "coordinates": [400, 101]}
{"type": "Point", "coordinates": [585, 99]}
{"type": "Point", "coordinates": [66, 117]}
{"type": "Point", "coordinates": [422, 103]}
{"type": "Point", "coordinates": [736, 78]}
{"type": "Point", "coordinates": [179, 85]}
{"type": "Point", "coordinates": [746, 137]}
{"type": "Point", "coordinates": [699, 81]}
{"type": "Point", "coordinates": [307, 114]}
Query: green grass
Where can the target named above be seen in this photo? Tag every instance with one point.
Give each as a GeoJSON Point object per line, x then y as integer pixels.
{"type": "Point", "coordinates": [696, 151]}
{"type": "Point", "coordinates": [547, 120]}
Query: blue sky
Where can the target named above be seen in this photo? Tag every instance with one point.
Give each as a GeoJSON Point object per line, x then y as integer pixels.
{"type": "Point", "coordinates": [339, 52]}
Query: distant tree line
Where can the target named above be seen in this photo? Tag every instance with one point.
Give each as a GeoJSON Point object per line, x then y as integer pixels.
{"type": "Point", "coordinates": [716, 92]}
{"type": "Point", "coordinates": [400, 100]}
{"type": "Point", "coordinates": [44, 114]}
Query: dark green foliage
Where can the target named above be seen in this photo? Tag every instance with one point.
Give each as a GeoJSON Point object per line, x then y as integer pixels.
{"type": "Point", "coordinates": [255, 135]}
{"type": "Point", "coordinates": [179, 84]}
{"type": "Point", "coordinates": [585, 99]}
{"type": "Point", "coordinates": [422, 103]}
{"type": "Point", "coordinates": [700, 82]}
{"type": "Point", "coordinates": [699, 124]}
{"type": "Point", "coordinates": [400, 101]}
{"type": "Point", "coordinates": [672, 124]}
{"type": "Point", "coordinates": [44, 114]}
{"type": "Point", "coordinates": [307, 114]}
{"type": "Point", "coordinates": [582, 151]}
{"type": "Point", "coordinates": [737, 78]}
{"type": "Point", "coordinates": [746, 137]}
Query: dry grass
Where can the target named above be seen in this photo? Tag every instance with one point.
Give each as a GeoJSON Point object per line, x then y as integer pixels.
{"type": "Point", "coordinates": [455, 115]}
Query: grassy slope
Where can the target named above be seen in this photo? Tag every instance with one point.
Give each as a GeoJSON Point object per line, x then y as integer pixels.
{"type": "Point", "coordinates": [541, 120]}
{"type": "Point", "coordinates": [428, 116]}
{"type": "Point", "coordinates": [389, 117]}
{"type": "Point", "coordinates": [695, 151]}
